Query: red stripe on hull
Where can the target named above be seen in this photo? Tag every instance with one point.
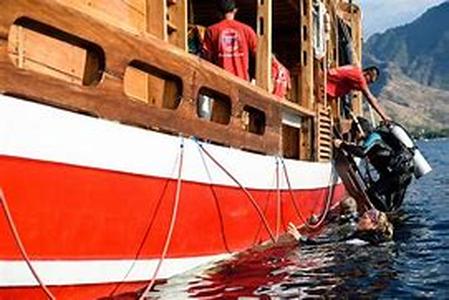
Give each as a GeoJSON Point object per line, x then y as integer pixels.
{"type": "Point", "coordinates": [65, 212]}
{"type": "Point", "coordinates": [94, 291]}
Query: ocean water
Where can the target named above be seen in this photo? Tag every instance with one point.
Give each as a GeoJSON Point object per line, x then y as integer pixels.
{"type": "Point", "coordinates": [414, 265]}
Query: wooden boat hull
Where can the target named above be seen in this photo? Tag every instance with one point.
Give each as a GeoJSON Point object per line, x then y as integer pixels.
{"type": "Point", "coordinates": [92, 201]}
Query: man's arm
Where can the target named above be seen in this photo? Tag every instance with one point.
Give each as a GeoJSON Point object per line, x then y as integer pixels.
{"type": "Point", "coordinates": [252, 41]}
{"type": "Point", "coordinates": [301, 239]}
{"type": "Point", "coordinates": [375, 104]}
{"type": "Point", "coordinates": [208, 46]}
{"type": "Point", "coordinates": [353, 149]}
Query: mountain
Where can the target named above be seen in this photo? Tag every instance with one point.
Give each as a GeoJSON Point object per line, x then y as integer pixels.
{"type": "Point", "coordinates": [420, 48]}
{"type": "Point", "coordinates": [392, 13]}
{"type": "Point", "coordinates": [414, 62]}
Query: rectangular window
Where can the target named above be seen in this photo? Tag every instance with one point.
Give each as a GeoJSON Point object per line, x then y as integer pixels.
{"type": "Point", "coordinates": [290, 142]}
{"type": "Point", "coordinates": [214, 106]}
{"type": "Point", "coordinates": [254, 120]}
{"type": "Point", "coordinates": [292, 124]}
{"type": "Point", "coordinates": [47, 50]}
{"type": "Point", "coordinates": [150, 85]}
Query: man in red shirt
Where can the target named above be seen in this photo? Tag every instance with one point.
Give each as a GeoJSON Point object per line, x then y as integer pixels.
{"type": "Point", "coordinates": [229, 43]}
{"type": "Point", "coordinates": [281, 78]}
{"type": "Point", "coordinates": [343, 80]}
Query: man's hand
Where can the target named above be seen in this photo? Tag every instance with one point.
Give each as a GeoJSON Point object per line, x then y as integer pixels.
{"type": "Point", "coordinates": [386, 119]}
{"type": "Point", "coordinates": [387, 122]}
{"type": "Point", "coordinates": [293, 231]}
{"type": "Point", "coordinates": [337, 143]}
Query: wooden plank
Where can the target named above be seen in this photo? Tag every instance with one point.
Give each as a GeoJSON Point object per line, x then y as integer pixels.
{"type": "Point", "coordinates": [125, 14]}
{"type": "Point", "coordinates": [156, 18]}
{"type": "Point", "coordinates": [136, 84]}
{"type": "Point", "coordinates": [40, 53]}
{"type": "Point", "coordinates": [305, 140]}
{"type": "Point", "coordinates": [356, 25]}
{"type": "Point", "coordinates": [325, 151]}
{"type": "Point", "coordinates": [297, 108]}
{"type": "Point", "coordinates": [264, 47]}
{"type": "Point", "coordinates": [294, 93]}
{"type": "Point", "coordinates": [150, 89]}
{"type": "Point", "coordinates": [177, 16]}
{"type": "Point", "coordinates": [319, 85]}
{"type": "Point", "coordinates": [93, 67]}
{"type": "Point", "coordinates": [306, 80]}
{"type": "Point", "coordinates": [155, 90]}
{"type": "Point", "coordinates": [325, 143]}
{"type": "Point", "coordinates": [325, 135]}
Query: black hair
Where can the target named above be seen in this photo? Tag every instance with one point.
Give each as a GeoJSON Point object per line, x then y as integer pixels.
{"type": "Point", "coordinates": [226, 6]}
{"type": "Point", "coordinates": [373, 69]}
{"type": "Point", "coordinates": [364, 124]}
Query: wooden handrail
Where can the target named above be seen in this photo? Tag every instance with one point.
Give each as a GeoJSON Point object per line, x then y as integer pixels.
{"type": "Point", "coordinates": [302, 111]}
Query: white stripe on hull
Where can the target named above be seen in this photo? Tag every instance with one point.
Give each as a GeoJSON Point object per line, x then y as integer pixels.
{"type": "Point", "coordinates": [77, 272]}
{"type": "Point", "coordinates": [35, 131]}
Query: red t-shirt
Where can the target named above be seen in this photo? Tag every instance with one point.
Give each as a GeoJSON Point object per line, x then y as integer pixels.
{"type": "Point", "coordinates": [281, 78]}
{"type": "Point", "coordinates": [228, 44]}
{"type": "Point", "coordinates": [343, 80]}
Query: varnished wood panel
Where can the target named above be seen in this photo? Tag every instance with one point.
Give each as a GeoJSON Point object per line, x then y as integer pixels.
{"type": "Point", "coordinates": [127, 14]}
{"type": "Point", "coordinates": [33, 51]}
{"type": "Point", "coordinates": [306, 71]}
{"type": "Point", "coordinates": [177, 18]}
{"type": "Point", "coordinates": [356, 25]}
{"type": "Point", "coordinates": [136, 84]}
{"type": "Point", "coordinates": [156, 18]}
{"type": "Point", "coordinates": [108, 99]}
{"type": "Point", "coordinates": [306, 140]}
{"type": "Point", "coordinates": [264, 46]}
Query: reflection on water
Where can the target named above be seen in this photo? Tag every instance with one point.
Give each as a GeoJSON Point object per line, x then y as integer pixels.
{"type": "Point", "coordinates": [415, 264]}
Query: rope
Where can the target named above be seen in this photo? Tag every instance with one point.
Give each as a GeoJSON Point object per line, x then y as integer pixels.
{"type": "Point", "coordinates": [147, 231]}
{"type": "Point", "coordinates": [172, 224]}
{"type": "Point", "coordinates": [279, 203]}
{"type": "Point", "coordinates": [264, 210]}
{"type": "Point", "coordinates": [217, 202]}
{"type": "Point", "coordinates": [247, 193]}
{"type": "Point", "coordinates": [328, 201]}
{"type": "Point", "coordinates": [20, 245]}
{"type": "Point", "coordinates": [292, 198]}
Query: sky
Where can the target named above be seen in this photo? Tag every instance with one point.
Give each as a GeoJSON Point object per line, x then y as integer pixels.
{"type": "Point", "coordinates": [380, 15]}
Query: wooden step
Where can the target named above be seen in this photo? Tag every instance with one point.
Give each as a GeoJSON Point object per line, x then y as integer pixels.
{"type": "Point", "coordinates": [171, 27]}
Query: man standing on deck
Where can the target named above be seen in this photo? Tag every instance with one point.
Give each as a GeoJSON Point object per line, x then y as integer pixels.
{"type": "Point", "coordinates": [343, 80]}
{"type": "Point", "coordinates": [229, 43]}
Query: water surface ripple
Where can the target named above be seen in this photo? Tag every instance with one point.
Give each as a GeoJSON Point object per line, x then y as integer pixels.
{"type": "Point", "coordinates": [414, 265]}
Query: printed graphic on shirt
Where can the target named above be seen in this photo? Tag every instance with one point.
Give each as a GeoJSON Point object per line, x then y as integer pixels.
{"type": "Point", "coordinates": [281, 79]}
{"type": "Point", "coordinates": [230, 43]}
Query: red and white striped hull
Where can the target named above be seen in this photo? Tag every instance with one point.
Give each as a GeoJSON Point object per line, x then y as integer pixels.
{"type": "Point", "coordinates": [92, 201]}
